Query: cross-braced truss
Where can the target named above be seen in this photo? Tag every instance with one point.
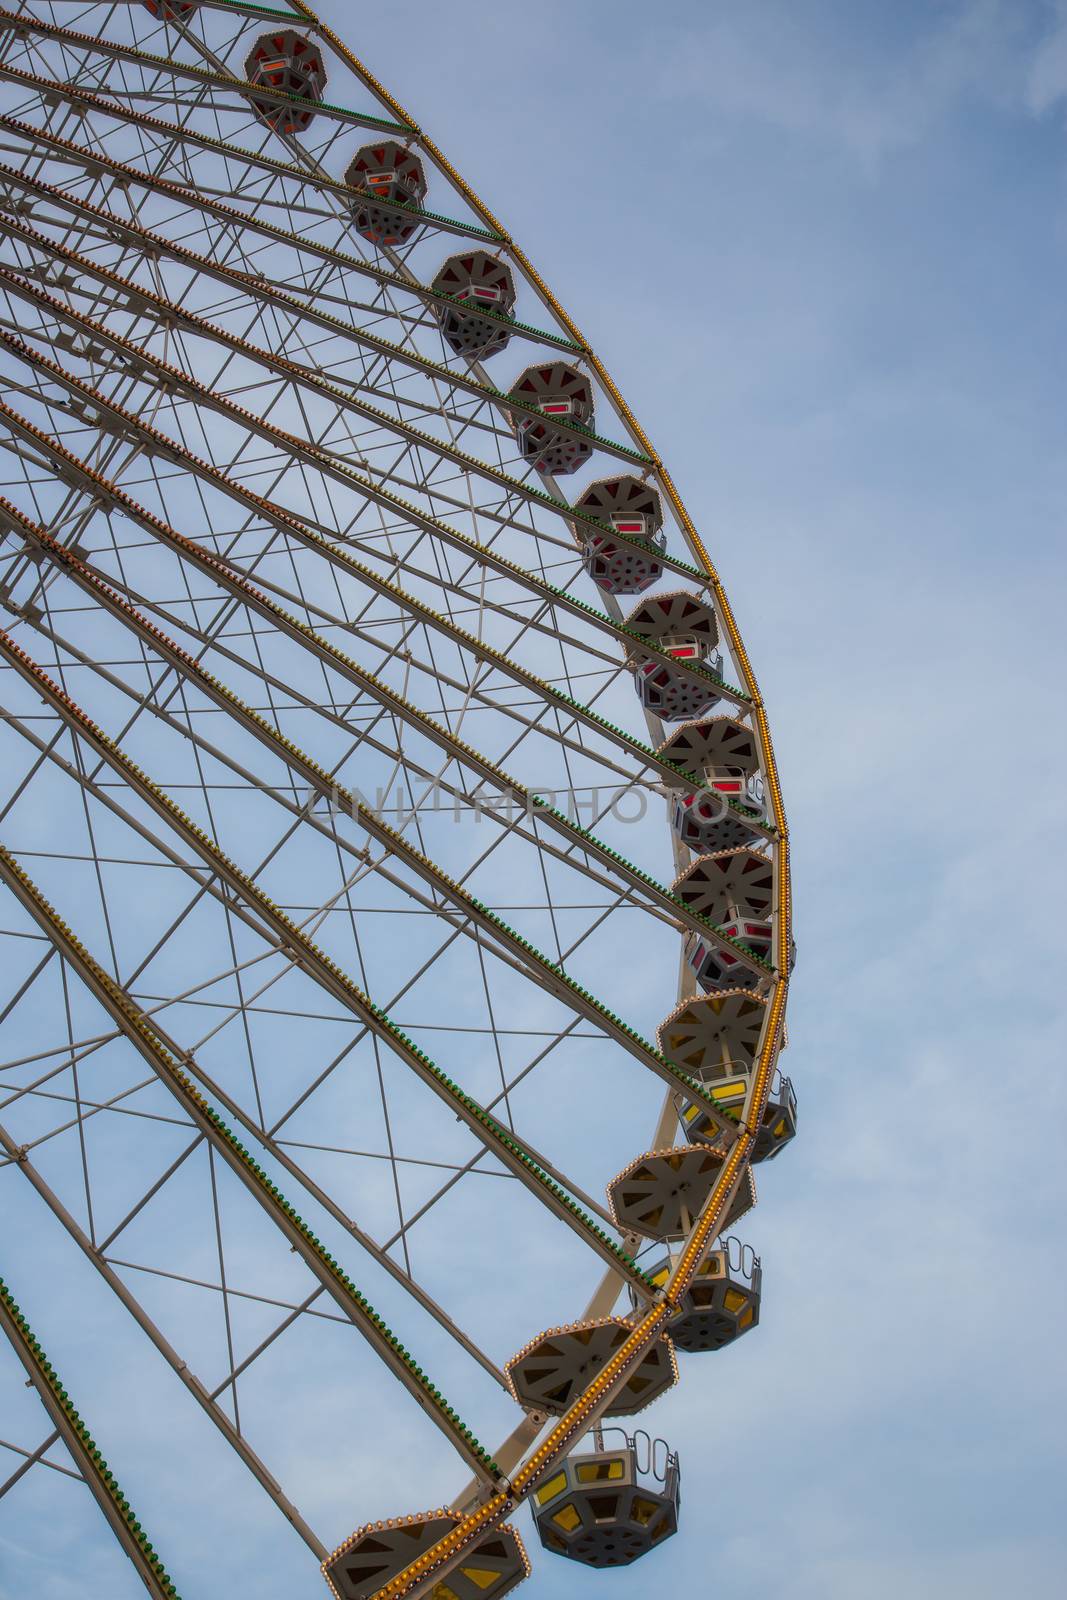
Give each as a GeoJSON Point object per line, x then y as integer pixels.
{"type": "Point", "coordinates": [336, 834]}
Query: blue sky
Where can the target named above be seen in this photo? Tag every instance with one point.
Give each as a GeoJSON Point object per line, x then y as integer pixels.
{"type": "Point", "coordinates": [822, 247]}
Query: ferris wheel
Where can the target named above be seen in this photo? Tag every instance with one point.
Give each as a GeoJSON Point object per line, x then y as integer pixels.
{"type": "Point", "coordinates": [396, 912]}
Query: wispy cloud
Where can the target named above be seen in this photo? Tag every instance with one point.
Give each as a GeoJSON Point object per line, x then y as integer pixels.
{"type": "Point", "coordinates": [861, 82]}
{"type": "Point", "coordinates": [1046, 83]}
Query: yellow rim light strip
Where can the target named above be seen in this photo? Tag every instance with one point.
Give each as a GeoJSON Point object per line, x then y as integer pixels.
{"type": "Point", "coordinates": [147, 1038]}
{"type": "Point", "coordinates": [23, 23]}
{"type": "Point", "coordinates": [613, 1374]}
{"type": "Point", "coordinates": [591, 1403]}
{"type": "Point", "coordinates": [234, 580]}
{"type": "Point", "coordinates": [584, 1003]}
{"type": "Point", "coordinates": [84, 97]}
{"type": "Point", "coordinates": [736, 645]}
{"type": "Point", "coordinates": [323, 460]}
{"type": "Point", "coordinates": [322, 969]}
{"type": "Point", "coordinates": [375, 342]}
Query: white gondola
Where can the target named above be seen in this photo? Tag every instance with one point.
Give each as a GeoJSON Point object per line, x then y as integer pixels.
{"type": "Point", "coordinates": [555, 390]}
{"type": "Point", "coordinates": [375, 1553]}
{"type": "Point", "coordinates": [720, 755]}
{"type": "Point", "coordinates": [632, 507]}
{"type": "Point", "coordinates": [552, 1369]}
{"type": "Point", "coordinates": [778, 1124]}
{"type": "Point", "coordinates": [608, 1506]}
{"type": "Point", "coordinates": [386, 175]}
{"type": "Point", "coordinates": [292, 64]}
{"type": "Point", "coordinates": [478, 283]}
{"type": "Point", "coordinates": [661, 1194]}
{"type": "Point", "coordinates": [684, 627]}
{"type": "Point", "coordinates": [723, 1301]}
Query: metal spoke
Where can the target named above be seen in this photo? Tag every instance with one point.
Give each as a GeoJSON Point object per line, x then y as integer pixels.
{"type": "Point", "coordinates": [319, 723]}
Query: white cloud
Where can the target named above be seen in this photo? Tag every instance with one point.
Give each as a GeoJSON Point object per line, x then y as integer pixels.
{"type": "Point", "coordinates": [794, 69]}
{"type": "Point", "coordinates": [895, 1411]}
{"type": "Point", "coordinates": [1046, 83]}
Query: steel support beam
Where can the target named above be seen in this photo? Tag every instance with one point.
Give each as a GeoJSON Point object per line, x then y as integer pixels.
{"type": "Point", "coordinates": [291, 941]}
{"type": "Point", "coordinates": [177, 1364]}
{"type": "Point", "coordinates": [536, 966]}
{"type": "Point", "coordinates": [366, 683]}
{"type": "Point", "coordinates": [145, 1036]}
{"type": "Point", "coordinates": [91, 1465]}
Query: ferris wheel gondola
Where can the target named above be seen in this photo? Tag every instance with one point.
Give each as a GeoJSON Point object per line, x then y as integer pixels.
{"type": "Point", "coordinates": [332, 830]}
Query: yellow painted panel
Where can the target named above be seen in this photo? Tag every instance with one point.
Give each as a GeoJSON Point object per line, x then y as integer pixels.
{"type": "Point", "coordinates": [600, 1471]}
{"type": "Point", "coordinates": [481, 1576]}
{"type": "Point", "coordinates": [643, 1510]}
{"type": "Point", "coordinates": [734, 1089]}
{"type": "Point", "coordinates": [567, 1518]}
{"type": "Point", "coordinates": [549, 1491]}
